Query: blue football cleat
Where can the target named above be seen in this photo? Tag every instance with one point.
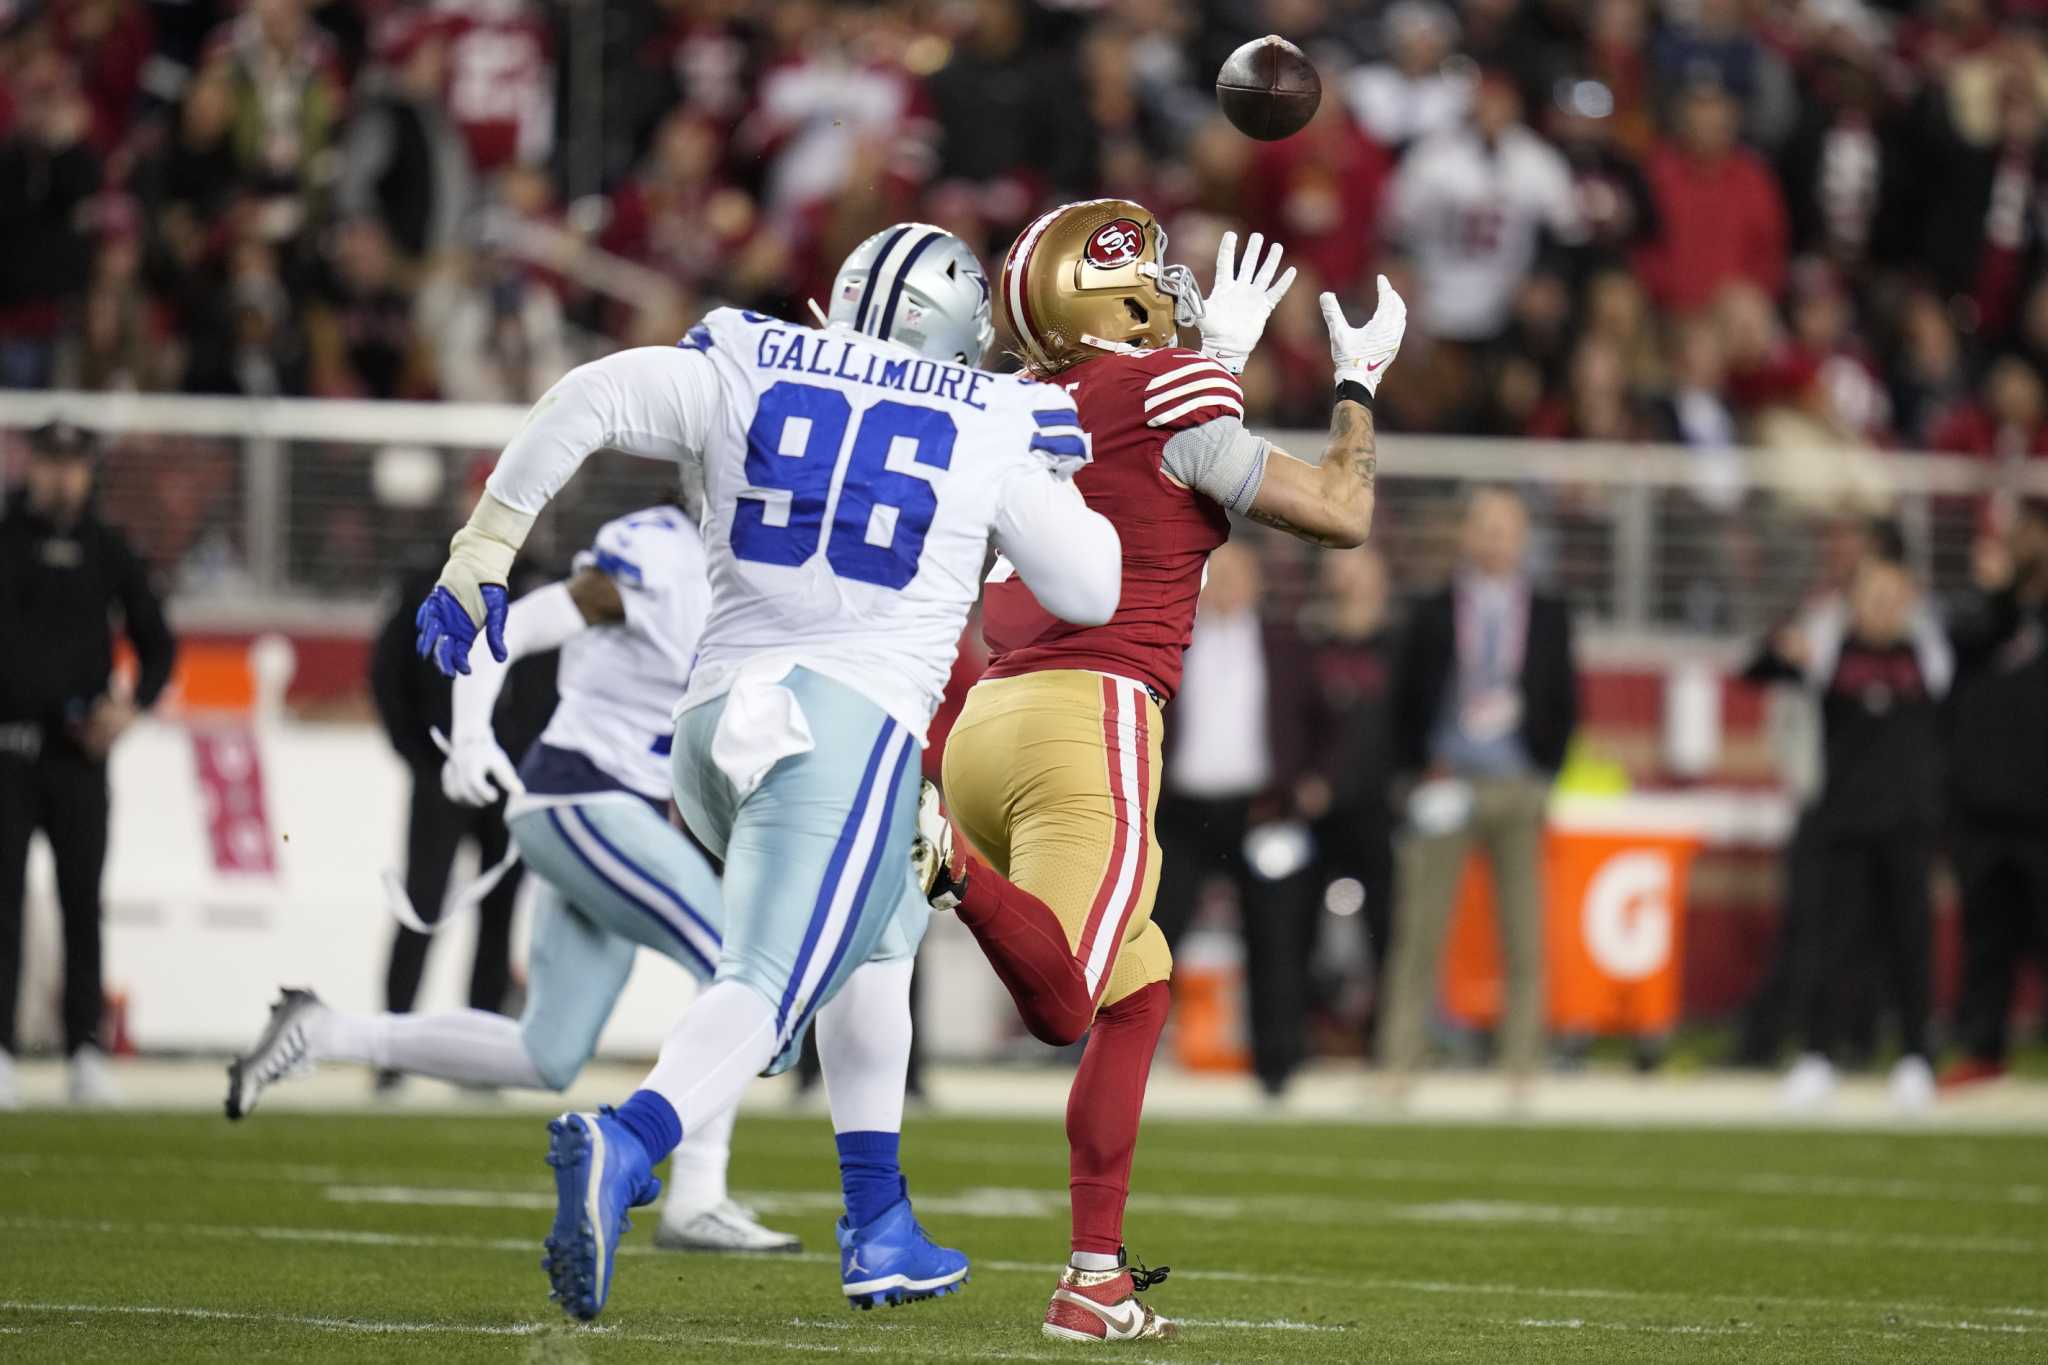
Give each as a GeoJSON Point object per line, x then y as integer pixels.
{"type": "Point", "coordinates": [892, 1261]}
{"type": "Point", "coordinates": [601, 1170]}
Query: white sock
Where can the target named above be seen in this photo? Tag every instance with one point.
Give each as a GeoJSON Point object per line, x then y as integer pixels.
{"type": "Point", "coordinates": [469, 1047]}
{"type": "Point", "coordinates": [1092, 1260]}
{"type": "Point", "coordinates": [696, 1173]}
{"type": "Point", "coordinates": [864, 1048]}
{"type": "Point", "coordinates": [722, 1041]}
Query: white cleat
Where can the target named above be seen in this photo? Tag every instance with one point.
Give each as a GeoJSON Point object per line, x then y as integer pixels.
{"type": "Point", "coordinates": [91, 1083]}
{"type": "Point", "coordinates": [931, 853]}
{"type": "Point", "coordinates": [284, 1050]}
{"type": "Point", "coordinates": [10, 1087]}
{"type": "Point", "coordinates": [1809, 1085]}
{"type": "Point", "coordinates": [1912, 1085]}
{"type": "Point", "coordinates": [724, 1227]}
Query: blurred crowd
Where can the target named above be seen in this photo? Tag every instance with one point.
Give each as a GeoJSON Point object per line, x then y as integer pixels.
{"type": "Point", "coordinates": [1803, 223]}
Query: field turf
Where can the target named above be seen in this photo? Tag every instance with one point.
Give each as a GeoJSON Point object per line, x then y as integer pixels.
{"type": "Point", "coordinates": [385, 1237]}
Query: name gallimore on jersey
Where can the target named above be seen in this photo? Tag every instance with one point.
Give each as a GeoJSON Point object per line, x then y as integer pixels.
{"type": "Point", "coordinates": [859, 362]}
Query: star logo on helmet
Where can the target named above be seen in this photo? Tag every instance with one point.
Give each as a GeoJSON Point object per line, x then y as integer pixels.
{"type": "Point", "coordinates": [980, 282]}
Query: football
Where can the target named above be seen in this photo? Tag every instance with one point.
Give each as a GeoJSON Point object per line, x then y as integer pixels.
{"type": "Point", "coordinates": [1269, 89]}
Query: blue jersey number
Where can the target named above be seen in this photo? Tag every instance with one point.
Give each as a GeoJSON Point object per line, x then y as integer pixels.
{"type": "Point", "coordinates": [794, 446]}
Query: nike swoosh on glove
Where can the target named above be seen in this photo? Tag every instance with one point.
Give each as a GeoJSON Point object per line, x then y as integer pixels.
{"type": "Point", "coordinates": [1361, 354]}
{"type": "Point", "coordinates": [1245, 295]}
{"type": "Point", "coordinates": [446, 629]}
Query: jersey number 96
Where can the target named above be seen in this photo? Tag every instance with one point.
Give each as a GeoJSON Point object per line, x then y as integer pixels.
{"type": "Point", "coordinates": [796, 445]}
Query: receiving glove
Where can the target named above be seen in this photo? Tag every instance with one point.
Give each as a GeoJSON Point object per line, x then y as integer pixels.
{"type": "Point", "coordinates": [474, 765]}
{"type": "Point", "coordinates": [1361, 354]}
{"type": "Point", "coordinates": [1245, 294]}
{"type": "Point", "coordinates": [471, 591]}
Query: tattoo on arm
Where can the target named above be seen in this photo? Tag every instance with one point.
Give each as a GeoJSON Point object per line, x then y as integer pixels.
{"type": "Point", "coordinates": [1350, 463]}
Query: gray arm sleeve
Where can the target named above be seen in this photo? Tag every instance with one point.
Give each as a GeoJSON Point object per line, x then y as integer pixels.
{"type": "Point", "coordinates": [1219, 458]}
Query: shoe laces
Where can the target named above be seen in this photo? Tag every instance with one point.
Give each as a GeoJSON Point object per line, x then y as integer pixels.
{"type": "Point", "coordinates": [1142, 1278]}
{"type": "Point", "coordinates": [286, 1057]}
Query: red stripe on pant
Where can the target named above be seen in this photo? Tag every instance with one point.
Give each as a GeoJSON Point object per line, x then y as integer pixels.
{"type": "Point", "coordinates": [1112, 741]}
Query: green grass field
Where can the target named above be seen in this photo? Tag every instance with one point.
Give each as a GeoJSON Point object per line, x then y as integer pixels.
{"type": "Point", "coordinates": [358, 1237]}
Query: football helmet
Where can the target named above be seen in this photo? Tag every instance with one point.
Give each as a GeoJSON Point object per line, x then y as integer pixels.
{"type": "Point", "coordinates": [1089, 278]}
{"type": "Point", "coordinates": [918, 286]}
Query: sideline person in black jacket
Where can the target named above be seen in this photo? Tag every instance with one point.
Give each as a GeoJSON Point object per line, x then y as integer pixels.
{"type": "Point", "coordinates": [1997, 827]}
{"type": "Point", "coordinates": [64, 575]}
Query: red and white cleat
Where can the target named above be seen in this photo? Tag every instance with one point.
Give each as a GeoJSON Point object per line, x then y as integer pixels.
{"type": "Point", "coordinates": [1103, 1305]}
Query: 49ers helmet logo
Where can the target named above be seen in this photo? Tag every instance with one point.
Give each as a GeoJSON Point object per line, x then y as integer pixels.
{"type": "Point", "coordinates": [1115, 243]}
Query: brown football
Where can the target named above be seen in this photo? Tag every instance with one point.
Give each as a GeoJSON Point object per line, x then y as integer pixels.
{"type": "Point", "coordinates": [1269, 89]}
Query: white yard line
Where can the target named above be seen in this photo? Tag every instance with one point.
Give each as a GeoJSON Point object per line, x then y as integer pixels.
{"type": "Point", "coordinates": [382, 1327]}
{"type": "Point", "coordinates": [1495, 1215]}
{"type": "Point", "coordinates": [1367, 1284]}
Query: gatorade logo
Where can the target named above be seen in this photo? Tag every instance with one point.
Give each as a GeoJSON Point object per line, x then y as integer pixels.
{"type": "Point", "coordinates": [1627, 918]}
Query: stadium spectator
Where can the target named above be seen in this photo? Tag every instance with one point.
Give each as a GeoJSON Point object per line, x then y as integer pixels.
{"type": "Point", "coordinates": [1485, 702]}
{"type": "Point", "coordinates": [495, 329]}
{"type": "Point", "coordinates": [1880, 666]}
{"type": "Point", "coordinates": [1240, 730]}
{"type": "Point", "coordinates": [1347, 784]}
{"type": "Point", "coordinates": [1997, 810]}
{"type": "Point", "coordinates": [1476, 205]}
{"type": "Point", "coordinates": [1319, 193]}
{"type": "Point", "coordinates": [65, 575]}
{"type": "Point", "coordinates": [404, 159]}
{"type": "Point", "coordinates": [1722, 216]}
{"type": "Point", "coordinates": [1615, 202]}
{"type": "Point", "coordinates": [501, 80]}
{"type": "Point", "coordinates": [359, 332]}
{"type": "Point", "coordinates": [288, 93]}
{"type": "Point", "coordinates": [109, 41]}
{"type": "Point", "coordinates": [2009, 421]}
{"type": "Point", "coordinates": [48, 174]}
{"type": "Point", "coordinates": [1415, 91]}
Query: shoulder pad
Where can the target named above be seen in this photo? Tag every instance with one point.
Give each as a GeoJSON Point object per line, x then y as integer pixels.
{"type": "Point", "coordinates": [722, 322]}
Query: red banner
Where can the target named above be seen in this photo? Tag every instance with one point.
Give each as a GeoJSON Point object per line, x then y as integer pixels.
{"type": "Point", "coordinates": [229, 765]}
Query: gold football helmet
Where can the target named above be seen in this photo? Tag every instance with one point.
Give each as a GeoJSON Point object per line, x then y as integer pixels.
{"type": "Point", "coordinates": [1089, 278]}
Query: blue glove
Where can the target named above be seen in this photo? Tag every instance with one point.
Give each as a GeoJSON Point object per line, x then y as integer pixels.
{"type": "Point", "coordinates": [447, 632]}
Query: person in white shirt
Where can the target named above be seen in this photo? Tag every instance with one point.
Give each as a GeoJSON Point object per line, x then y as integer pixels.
{"type": "Point", "coordinates": [1473, 205]}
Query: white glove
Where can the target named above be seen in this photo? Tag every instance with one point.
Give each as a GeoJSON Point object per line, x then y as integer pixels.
{"type": "Point", "coordinates": [474, 764]}
{"type": "Point", "coordinates": [1245, 294]}
{"type": "Point", "coordinates": [1362, 354]}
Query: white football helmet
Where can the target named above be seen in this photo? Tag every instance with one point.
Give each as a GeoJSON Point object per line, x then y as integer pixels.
{"type": "Point", "coordinates": [918, 286]}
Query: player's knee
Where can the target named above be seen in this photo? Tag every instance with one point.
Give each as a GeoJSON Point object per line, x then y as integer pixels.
{"type": "Point", "coordinates": [556, 1066]}
{"type": "Point", "coordinates": [1060, 1023]}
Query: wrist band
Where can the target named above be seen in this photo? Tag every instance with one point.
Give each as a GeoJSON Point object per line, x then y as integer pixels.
{"type": "Point", "coordinates": [1356, 392]}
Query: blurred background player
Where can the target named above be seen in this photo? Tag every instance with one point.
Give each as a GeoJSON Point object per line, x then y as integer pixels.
{"type": "Point", "coordinates": [65, 577]}
{"type": "Point", "coordinates": [587, 809]}
{"type": "Point", "coordinates": [1484, 710]}
{"type": "Point", "coordinates": [1052, 769]}
{"type": "Point", "coordinates": [413, 703]}
{"type": "Point", "coordinates": [827, 650]}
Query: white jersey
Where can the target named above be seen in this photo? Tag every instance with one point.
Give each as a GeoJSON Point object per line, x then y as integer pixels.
{"type": "Point", "coordinates": [850, 489]}
{"type": "Point", "coordinates": [1471, 214]}
{"type": "Point", "coordinates": [619, 682]}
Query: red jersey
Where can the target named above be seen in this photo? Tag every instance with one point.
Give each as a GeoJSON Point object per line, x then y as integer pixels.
{"type": "Point", "coordinates": [1130, 405]}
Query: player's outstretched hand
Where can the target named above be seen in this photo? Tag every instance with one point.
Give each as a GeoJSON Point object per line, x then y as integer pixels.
{"type": "Point", "coordinates": [447, 629]}
{"type": "Point", "coordinates": [478, 771]}
{"type": "Point", "coordinates": [1245, 294]}
{"type": "Point", "coordinates": [1362, 354]}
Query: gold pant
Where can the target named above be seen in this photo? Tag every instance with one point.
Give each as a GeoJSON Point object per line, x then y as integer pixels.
{"type": "Point", "coordinates": [1054, 778]}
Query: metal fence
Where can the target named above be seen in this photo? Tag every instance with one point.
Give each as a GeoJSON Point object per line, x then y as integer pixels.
{"type": "Point", "coordinates": [261, 509]}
